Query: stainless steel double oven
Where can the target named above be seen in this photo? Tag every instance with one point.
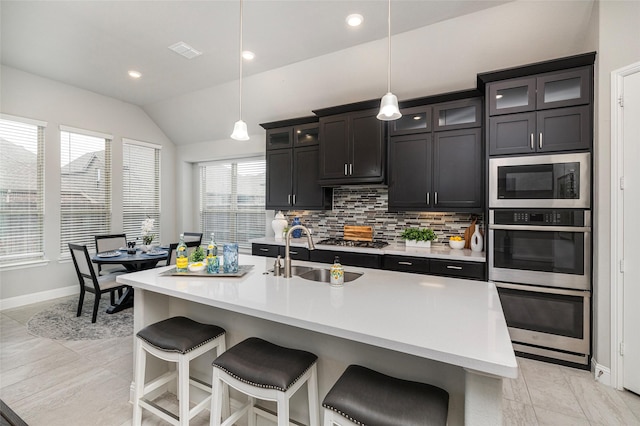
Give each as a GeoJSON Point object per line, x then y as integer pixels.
{"type": "Point", "coordinates": [539, 252]}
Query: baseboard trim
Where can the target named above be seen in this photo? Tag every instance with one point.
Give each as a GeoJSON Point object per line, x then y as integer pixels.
{"type": "Point", "coordinates": [601, 373]}
{"type": "Point", "coordinates": [43, 296]}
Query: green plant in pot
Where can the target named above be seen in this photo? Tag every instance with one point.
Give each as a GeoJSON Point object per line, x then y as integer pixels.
{"type": "Point", "coordinates": [197, 255]}
{"type": "Point", "coordinates": [416, 237]}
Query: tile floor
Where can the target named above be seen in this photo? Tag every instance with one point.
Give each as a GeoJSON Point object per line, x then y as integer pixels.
{"type": "Point", "coordinates": [67, 383]}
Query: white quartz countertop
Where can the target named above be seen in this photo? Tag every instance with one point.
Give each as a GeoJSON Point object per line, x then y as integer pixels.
{"type": "Point", "coordinates": [437, 251]}
{"type": "Point", "coordinates": [455, 321]}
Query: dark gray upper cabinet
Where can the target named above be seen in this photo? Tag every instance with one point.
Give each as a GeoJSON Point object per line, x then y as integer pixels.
{"type": "Point", "coordinates": [457, 170]}
{"type": "Point", "coordinates": [543, 91]}
{"type": "Point", "coordinates": [352, 148]}
{"type": "Point", "coordinates": [461, 114]}
{"type": "Point", "coordinates": [442, 170]}
{"type": "Point", "coordinates": [413, 120]}
{"type": "Point", "coordinates": [548, 112]}
{"type": "Point", "coordinates": [410, 169]}
{"type": "Point", "coordinates": [292, 169]}
{"type": "Point", "coordinates": [551, 130]}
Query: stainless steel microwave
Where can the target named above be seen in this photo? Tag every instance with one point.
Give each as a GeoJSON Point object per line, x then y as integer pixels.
{"type": "Point", "coordinates": [541, 181]}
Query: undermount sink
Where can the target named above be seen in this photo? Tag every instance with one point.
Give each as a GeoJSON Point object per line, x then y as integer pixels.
{"type": "Point", "coordinates": [324, 275]}
{"type": "Point", "coordinates": [297, 270]}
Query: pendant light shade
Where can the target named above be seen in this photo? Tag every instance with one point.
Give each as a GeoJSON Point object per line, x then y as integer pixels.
{"type": "Point", "coordinates": [240, 127]}
{"type": "Point", "coordinates": [389, 109]}
{"type": "Point", "coordinates": [240, 131]}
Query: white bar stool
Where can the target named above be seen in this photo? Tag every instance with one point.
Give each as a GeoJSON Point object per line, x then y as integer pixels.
{"type": "Point", "coordinates": [178, 340]}
{"type": "Point", "coordinates": [262, 370]}
{"type": "Point", "coordinates": [362, 396]}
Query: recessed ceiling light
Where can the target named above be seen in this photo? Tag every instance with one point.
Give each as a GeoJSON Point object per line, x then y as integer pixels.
{"type": "Point", "coordinates": [498, 96]}
{"type": "Point", "coordinates": [354, 20]}
{"type": "Point", "coordinates": [135, 74]}
{"type": "Point", "coordinates": [417, 117]}
{"type": "Point", "coordinates": [248, 55]}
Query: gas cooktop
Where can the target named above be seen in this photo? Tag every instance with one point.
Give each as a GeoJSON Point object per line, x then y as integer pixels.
{"type": "Point", "coordinates": [350, 243]}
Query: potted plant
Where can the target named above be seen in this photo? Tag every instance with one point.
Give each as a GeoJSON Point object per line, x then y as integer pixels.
{"type": "Point", "coordinates": [416, 237]}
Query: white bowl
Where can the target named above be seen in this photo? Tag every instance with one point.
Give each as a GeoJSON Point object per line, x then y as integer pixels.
{"type": "Point", "coordinates": [196, 267]}
{"type": "Point", "coordinates": [456, 245]}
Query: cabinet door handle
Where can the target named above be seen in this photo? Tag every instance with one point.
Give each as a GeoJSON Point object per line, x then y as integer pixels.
{"type": "Point", "coordinates": [405, 263]}
{"type": "Point", "coordinates": [531, 141]}
{"type": "Point", "coordinates": [350, 169]}
{"type": "Point", "coordinates": [289, 199]}
{"type": "Point", "coordinates": [264, 249]}
{"type": "Point", "coordinates": [293, 252]}
{"type": "Point", "coordinates": [540, 142]}
{"type": "Point", "coordinates": [435, 197]}
{"type": "Point", "coordinates": [294, 199]}
{"type": "Point", "coordinates": [427, 198]}
{"type": "Point", "coordinates": [454, 267]}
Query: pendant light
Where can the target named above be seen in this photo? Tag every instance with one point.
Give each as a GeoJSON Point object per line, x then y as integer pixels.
{"type": "Point", "coordinates": [240, 127]}
{"type": "Point", "coordinates": [389, 103]}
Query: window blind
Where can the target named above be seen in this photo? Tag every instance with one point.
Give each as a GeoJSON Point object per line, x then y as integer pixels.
{"type": "Point", "coordinates": [85, 198]}
{"type": "Point", "coordinates": [232, 200]}
{"type": "Point", "coordinates": [21, 190]}
{"type": "Point", "coordinates": [141, 188]}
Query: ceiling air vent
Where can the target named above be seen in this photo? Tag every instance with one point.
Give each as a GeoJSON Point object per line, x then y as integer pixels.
{"type": "Point", "coordinates": [185, 50]}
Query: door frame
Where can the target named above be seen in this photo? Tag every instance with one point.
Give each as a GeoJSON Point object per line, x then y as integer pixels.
{"type": "Point", "coordinates": [617, 305]}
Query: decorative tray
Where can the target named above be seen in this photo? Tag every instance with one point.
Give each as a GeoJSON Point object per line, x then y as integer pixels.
{"type": "Point", "coordinates": [242, 270]}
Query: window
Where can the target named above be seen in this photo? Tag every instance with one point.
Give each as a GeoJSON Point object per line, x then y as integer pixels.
{"type": "Point", "coordinates": [140, 187]}
{"type": "Point", "coordinates": [21, 190]}
{"type": "Point", "coordinates": [85, 198]}
{"type": "Point", "coordinates": [232, 200]}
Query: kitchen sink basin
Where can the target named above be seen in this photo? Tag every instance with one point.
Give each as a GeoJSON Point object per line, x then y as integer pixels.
{"type": "Point", "coordinates": [296, 270]}
{"type": "Point", "coordinates": [324, 275]}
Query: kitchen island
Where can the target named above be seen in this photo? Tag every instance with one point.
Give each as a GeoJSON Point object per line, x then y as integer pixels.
{"type": "Point", "coordinates": [447, 332]}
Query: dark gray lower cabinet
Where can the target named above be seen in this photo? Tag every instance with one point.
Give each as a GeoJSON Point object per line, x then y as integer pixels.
{"type": "Point", "coordinates": [363, 260]}
{"type": "Point", "coordinates": [459, 269]}
{"type": "Point", "coordinates": [418, 265]}
{"type": "Point", "coordinates": [273, 250]}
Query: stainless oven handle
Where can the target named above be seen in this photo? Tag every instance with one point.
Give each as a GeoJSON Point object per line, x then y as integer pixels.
{"type": "Point", "coordinates": [562, 291]}
{"type": "Point", "coordinates": [541, 228]}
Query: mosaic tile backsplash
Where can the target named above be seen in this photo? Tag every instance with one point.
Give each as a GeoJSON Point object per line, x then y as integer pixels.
{"type": "Point", "coordinates": [368, 206]}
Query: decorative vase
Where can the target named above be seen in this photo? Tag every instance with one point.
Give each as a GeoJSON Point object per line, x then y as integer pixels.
{"type": "Point", "coordinates": [418, 244]}
{"type": "Point", "coordinates": [278, 224]}
{"type": "Point", "coordinates": [477, 240]}
{"type": "Point", "coordinates": [297, 233]}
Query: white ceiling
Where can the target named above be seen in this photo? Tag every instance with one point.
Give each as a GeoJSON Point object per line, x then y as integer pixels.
{"type": "Point", "coordinates": [92, 44]}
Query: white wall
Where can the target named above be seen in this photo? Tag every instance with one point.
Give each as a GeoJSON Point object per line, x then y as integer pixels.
{"type": "Point", "coordinates": [27, 95]}
{"type": "Point", "coordinates": [618, 46]}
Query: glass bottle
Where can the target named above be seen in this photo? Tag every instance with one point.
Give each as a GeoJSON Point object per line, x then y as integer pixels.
{"type": "Point", "coordinates": [337, 273]}
{"type": "Point", "coordinates": [182, 259]}
{"type": "Point", "coordinates": [212, 248]}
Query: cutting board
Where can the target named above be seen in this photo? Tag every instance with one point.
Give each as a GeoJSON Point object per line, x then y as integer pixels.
{"type": "Point", "coordinates": [358, 233]}
{"type": "Point", "coordinates": [468, 233]}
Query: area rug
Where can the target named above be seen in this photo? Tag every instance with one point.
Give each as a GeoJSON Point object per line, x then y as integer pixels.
{"type": "Point", "coordinates": [59, 322]}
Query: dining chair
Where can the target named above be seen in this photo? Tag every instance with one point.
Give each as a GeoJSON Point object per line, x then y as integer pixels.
{"type": "Point", "coordinates": [90, 282]}
{"type": "Point", "coordinates": [171, 257]}
{"type": "Point", "coordinates": [109, 243]}
{"type": "Point", "coordinates": [193, 236]}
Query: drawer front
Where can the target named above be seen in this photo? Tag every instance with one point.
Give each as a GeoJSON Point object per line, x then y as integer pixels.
{"type": "Point", "coordinates": [267, 250]}
{"type": "Point", "coordinates": [418, 265]}
{"type": "Point", "coordinates": [296, 253]}
{"type": "Point", "coordinates": [473, 270]}
{"type": "Point", "coordinates": [363, 260]}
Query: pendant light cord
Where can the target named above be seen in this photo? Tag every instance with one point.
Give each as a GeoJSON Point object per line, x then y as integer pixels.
{"type": "Point", "coordinates": [240, 79]}
{"type": "Point", "coordinates": [389, 49]}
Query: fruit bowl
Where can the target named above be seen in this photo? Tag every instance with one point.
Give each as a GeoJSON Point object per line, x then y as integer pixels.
{"type": "Point", "coordinates": [196, 267]}
{"type": "Point", "coordinates": [456, 244]}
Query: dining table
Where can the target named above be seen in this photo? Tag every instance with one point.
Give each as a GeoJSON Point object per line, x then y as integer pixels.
{"type": "Point", "coordinates": [132, 261]}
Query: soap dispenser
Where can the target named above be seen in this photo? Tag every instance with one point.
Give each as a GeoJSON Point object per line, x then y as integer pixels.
{"type": "Point", "coordinates": [337, 273]}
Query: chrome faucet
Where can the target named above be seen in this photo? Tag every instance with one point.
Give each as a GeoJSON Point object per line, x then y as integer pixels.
{"type": "Point", "coordinates": [287, 256]}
